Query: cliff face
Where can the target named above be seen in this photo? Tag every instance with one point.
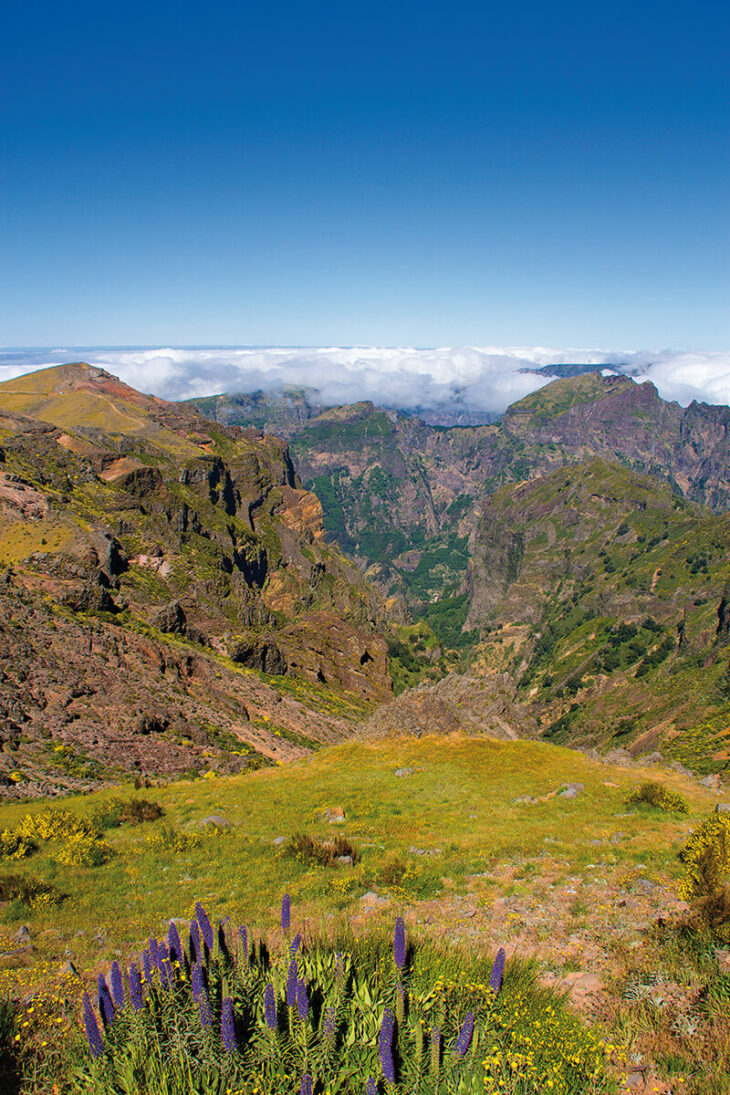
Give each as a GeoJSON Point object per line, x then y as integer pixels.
{"type": "Point", "coordinates": [140, 535]}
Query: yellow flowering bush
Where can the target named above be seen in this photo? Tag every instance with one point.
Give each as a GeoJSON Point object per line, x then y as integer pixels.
{"type": "Point", "coordinates": [85, 850]}
{"type": "Point", "coordinates": [166, 839]}
{"type": "Point", "coordinates": [707, 858]}
{"type": "Point", "coordinates": [13, 845]}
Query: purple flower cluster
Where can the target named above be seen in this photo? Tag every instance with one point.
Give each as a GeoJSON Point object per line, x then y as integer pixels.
{"type": "Point", "coordinates": [117, 985]}
{"type": "Point", "coordinates": [465, 1036]}
{"type": "Point", "coordinates": [385, 1046]}
{"type": "Point", "coordinates": [105, 1002]}
{"type": "Point", "coordinates": [228, 1026]}
{"type": "Point", "coordinates": [435, 1051]}
{"type": "Point", "coordinates": [174, 944]}
{"type": "Point", "coordinates": [305, 1088]}
{"type": "Point", "coordinates": [270, 1007]}
{"type": "Point", "coordinates": [242, 944]}
{"type": "Point", "coordinates": [495, 981]}
{"type": "Point", "coordinates": [371, 1087]}
{"type": "Point", "coordinates": [96, 1045]}
{"type": "Point", "coordinates": [147, 965]}
{"type": "Point", "coordinates": [302, 1000]}
{"type": "Point", "coordinates": [399, 943]}
{"type": "Point", "coordinates": [135, 987]}
{"type": "Point", "coordinates": [205, 925]}
{"type": "Point", "coordinates": [200, 994]}
{"type": "Point", "coordinates": [295, 945]}
{"type": "Point", "coordinates": [285, 913]}
{"type": "Point", "coordinates": [196, 949]}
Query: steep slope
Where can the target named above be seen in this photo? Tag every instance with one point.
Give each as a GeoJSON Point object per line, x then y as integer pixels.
{"type": "Point", "coordinates": [145, 542]}
{"type": "Point", "coordinates": [600, 590]}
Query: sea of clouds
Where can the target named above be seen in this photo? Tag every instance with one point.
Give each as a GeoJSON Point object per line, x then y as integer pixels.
{"type": "Point", "coordinates": [477, 379]}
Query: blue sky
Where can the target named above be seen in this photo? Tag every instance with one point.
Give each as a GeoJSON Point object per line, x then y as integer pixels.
{"type": "Point", "coordinates": [392, 174]}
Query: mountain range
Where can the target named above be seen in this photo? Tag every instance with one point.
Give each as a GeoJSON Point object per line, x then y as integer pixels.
{"type": "Point", "coordinates": [185, 591]}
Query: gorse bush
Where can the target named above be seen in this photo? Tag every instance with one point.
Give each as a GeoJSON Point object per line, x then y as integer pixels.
{"type": "Point", "coordinates": [707, 858]}
{"type": "Point", "coordinates": [224, 1014]}
{"type": "Point", "coordinates": [653, 793]}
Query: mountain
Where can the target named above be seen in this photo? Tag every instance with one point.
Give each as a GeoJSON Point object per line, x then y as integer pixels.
{"type": "Point", "coordinates": [169, 601]}
{"type": "Point", "coordinates": [403, 497]}
{"type": "Point", "coordinates": [603, 594]}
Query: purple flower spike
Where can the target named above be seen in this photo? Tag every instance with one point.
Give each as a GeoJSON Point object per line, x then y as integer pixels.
{"type": "Point", "coordinates": [196, 949]}
{"type": "Point", "coordinates": [291, 983]}
{"type": "Point", "coordinates": [385, 1047]}
{"type": "Point", "coordinates": [302, 1000]}
{"type": "Point", "coordinates": [330, 1024]}
{"type": "Point", "coordinates": [153, 947]}
{"type": "Point", "coordinates": [105, 1002]}
{"type": "Point", "coordinates": [305, 1088]}
{"type": "Point", "coordinates": [270, 1007]}
{"type": "Point", "coordinates": [205, 925]}
{"type": "Point", "coordinates": [163, 965]}
{"type": "Point", "coordinates": [465, 1035]}
{"type": "Point", "coordinates": [242, 945]}
{"type": "Point", "coordinates": [435, 1051]}
{"type": "Point", "coordinates": [206, 1016]}
{"type": "Point", "coordinates": [96, 1044]}
{"type": "Point", "coordinates": [135, 987]}
{"type": "Point", "coordinates": [147, 966]}
{"type": "Point", "coordinates": [228, 1026]}
{"type": "Point", "coordinates": [295, 945]}
{"type": "Point", "coordinates": [174, 943]}
{"type": "Point", "coordinates": [371, 1087]}
{"type": "Point", "coordinates": [197, 981]}
{"type": "Point", "coordinates": [285, 913]}
{"type": "Point", "coordinates": [495, 981]}
{"type": "Point", "coordinates": [399, 943]}
{"type": "Point", "coordinates": [117, 985]}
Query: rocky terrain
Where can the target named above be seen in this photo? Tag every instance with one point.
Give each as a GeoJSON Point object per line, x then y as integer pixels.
{"type": "Point", "coordinates": [169, 602]}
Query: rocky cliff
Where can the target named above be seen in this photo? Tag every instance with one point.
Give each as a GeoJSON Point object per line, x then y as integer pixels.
{"type": "Point", "coordinates": [172, 587]}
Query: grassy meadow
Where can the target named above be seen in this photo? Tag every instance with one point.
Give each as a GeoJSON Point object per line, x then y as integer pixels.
{"type": "Point", "coordinates": [445, 845]}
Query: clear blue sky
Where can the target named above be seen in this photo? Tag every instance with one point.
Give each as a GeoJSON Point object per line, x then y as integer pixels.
{"type": "Point", "coordinates": [319, 173]}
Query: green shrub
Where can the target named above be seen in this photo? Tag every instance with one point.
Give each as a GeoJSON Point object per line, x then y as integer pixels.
{"type": "Point", "coordinates": [309, 849]}
{"type": "Point", "coordinates": [652, 793]}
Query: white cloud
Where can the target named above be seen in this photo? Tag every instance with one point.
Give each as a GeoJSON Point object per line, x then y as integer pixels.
{"type": "Point", "coordinates": [476, 378]}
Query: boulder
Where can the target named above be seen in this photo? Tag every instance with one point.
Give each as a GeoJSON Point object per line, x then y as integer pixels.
{"type": "Point", "coordinates": [400, 772]}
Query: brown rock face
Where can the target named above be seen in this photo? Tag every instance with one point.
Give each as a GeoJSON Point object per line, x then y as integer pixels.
{"type": "Point", "coordinates": [147, 546]}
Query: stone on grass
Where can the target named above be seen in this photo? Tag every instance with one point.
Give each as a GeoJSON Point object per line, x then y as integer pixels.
{"type": "Point", "coordinates": [527, 799]}
{"type": "Point", "coordinates": [711, 782]}
{"type": "Point", "coordinates": [215, 821]}
{"type": "Point", "coordinates": [22, 935]}
{"type": "Point", "coordinates": [404, 772]}
{"type": "Point", "coordinates": [279, 840]}
{"type": "Point", "coordinates": [722, 808]}
{"type": "Point", "coordinates": [336, 815]}
{"type": "Point", "coordinates": [344, 860]}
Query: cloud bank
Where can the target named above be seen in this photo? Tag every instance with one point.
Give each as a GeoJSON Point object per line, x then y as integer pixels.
{"type": "Point", "coordinates": [480, 380]}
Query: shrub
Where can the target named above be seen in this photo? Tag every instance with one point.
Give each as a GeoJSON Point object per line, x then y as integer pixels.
{"type": "Point", "coordinates": [309, 849]}
{"type": "Point", "coordinates": [13, 845]}
{"type": "Point", "coordinates": [167, 839]}
{"type": "Point", "coordinates": [125, 811]}
{"type": "Point", "coordinates": [652, 793]}
{"type": "Point", "coordinates": [29, 891]}
{"type": "Point", "coordinates": [707, 858]}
